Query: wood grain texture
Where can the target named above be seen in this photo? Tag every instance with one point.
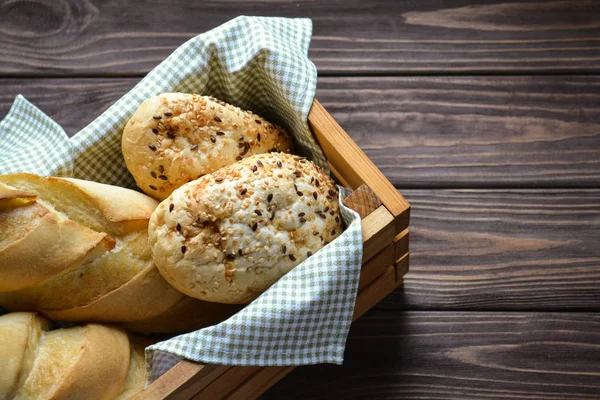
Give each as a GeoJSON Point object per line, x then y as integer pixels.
{"type": "Point", "coordinates": [69, 37]}
{"type": "Point", "coordinates": [430, 355]}
{"type": "Point", "coordinates": [525, 131]}
{"type": "Point", "coordinates": [502, 250]}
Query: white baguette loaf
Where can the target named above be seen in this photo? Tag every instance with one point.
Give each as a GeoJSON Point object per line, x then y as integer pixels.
{"type": "Point", "coordinates": [81, 362]}
{"type": "Point", "coordinates": [78, 251]}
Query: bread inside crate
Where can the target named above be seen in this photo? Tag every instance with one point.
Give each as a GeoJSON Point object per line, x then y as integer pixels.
{"type": "Point", "coordinates": [385, 218]}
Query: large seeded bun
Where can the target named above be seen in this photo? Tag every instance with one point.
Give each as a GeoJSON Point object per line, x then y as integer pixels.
{"type": "Point", "coordinates": [229, 235]}
{"type": "Point", "coordinates": [175, 137]}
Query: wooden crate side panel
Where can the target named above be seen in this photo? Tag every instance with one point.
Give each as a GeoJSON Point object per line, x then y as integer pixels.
{"type": "Point", "coordinates": [182, 381]}
{"type": "Point", "coordinates": [378, 231]}
{"type": "Point", "coordinates": [353, 164]}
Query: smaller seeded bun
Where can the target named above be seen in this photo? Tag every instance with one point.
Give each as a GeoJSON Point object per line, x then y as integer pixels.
{"type": "Point", "coordinates": [175, 137]}
{"type": "Point", "coordinates": [227, 236]}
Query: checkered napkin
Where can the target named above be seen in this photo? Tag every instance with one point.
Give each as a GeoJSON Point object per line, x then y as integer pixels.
{"type": "Point", "coordinates": [258, 64]}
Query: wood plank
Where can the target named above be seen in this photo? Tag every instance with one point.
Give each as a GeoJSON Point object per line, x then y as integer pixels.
{"type": "Point", "coordinates": [521, 131]}
{"type": "Point", "coordinates": [459, 355]}
{"type": "Point", "coordinates": [182, 381]}
{"type": "Point", "coordinates": [376, 37]}
{"type": "Point", "coordinates": [502, 250]}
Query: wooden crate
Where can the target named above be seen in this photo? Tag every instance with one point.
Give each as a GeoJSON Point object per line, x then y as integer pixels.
{"type": "Point", "coordinates": [385, 217]}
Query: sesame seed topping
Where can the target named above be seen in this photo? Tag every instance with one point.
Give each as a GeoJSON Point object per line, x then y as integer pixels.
{"type": "Point", "coordinates": [163, 177]}
{"type": "Point", "coordinates": [169, 114]}
{"type": "Point", "coordinates": [241, 138]}
{"type": "Point", "coordinates": [171, 135]}
{"type": "Point", "coordinates": [230, 256]}
{"type": "Point", "coordinates": [171, 207]}
{"type": "Point", "coordinates": [331, 192]}
{"type": "Point", "coordinates": [270, 197]}
{"type": "Point", "coordinates": [183, 249]}
{"type": "Point", "coordinates": [258, 121]}
{"type": "Point", "coordinates": [309, 253]}
{"type": "Point", "coordinates": [219, 133]}
{"type": "Point", "coordinates": [153, 174]}
{"type": "Point", "coordinates": [322, 215]}
{"type": "Point", "coordinates": [241, 145]}
{"type": "Point", "coordinates": [154, 130]}
{"type": "Point", "coordinates": [302, 214]}
{"type": "Point", "coordinates": [254, 227]}
{"type": "Point", "coordinates": [258, 137]}
{"type": "Point", "coordinates": [178, 227]}
{"type": "Point", "coordinates": [279, 163]}
{"type": "Point", "coordinates": [152, 187]}
{"type": "Point", "coordinates": [317, 182]}
{"type": "Point", "coordinates": [315, 195]}
{"type": "Point", "coordinates": [326, 209]}
{"type": "Point", "coordinates": [216, 118]}
{"type": "Point", "coordinates": [259, 163]}
{"type": "Point", "coordinates": [333, 231]}
{"type": "Point", "coordinates": [161, 168]}
{"type": "Point", "coordinates": [298, 173]}
{"type": "Point", "coordinates": [219, 179]}
{"type": "Point", "coordinates": [302, 220]}
{"type": "Point", "coordinates": [331, 212]}
{"type": "Point", "coordinates": [283, 249]}
{"type": "Point", "coordinates": [337, 219]}
{"type": "Point", "coordinates": [272, 216]}
{"type": "Point", "coordinates": [194, 147]}
{"type": "Point", "coordinates": [213, 139]}
{"type": "Point", "coordinates": [243, 191]}
{"type": "Point", "coordinates": [292, 257]}
{"type": "Point", "coordinates": [258, 212]}
{"type": "Point", "coordinates": [240, 252]}
{"type": "Point", "coordinates": [316, 233]}
{"type": "Point", "coordinates": [238, 158]}
{"type": "Point", "coordinates": [156, 117]}
{"type": "Point", "coordinates": [300, 193]}
{"type": "Point", "coordinates": [152, 147]}
{"type": "Point", "coordinates": [254, 168]}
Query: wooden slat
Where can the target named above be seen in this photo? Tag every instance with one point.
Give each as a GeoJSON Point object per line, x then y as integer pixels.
{"type": "Point", "coordinates": [376, 266]}
{"type": "Point", "coordinates": [401, 242]}
{"type": "Point", "coordinates": [459, 355]}
{"type": "Point", "coordinates": [502, 250]}
{"type": "Point", "coordinates": [182, 381]}
{"type": "Point", "coordinates": [519, 131]}
{"type": "Point", "coordinates": [222, 387]}
{"type": "Point", "coordinates": [376, 37]}
{"type": "Point", "coordinates": [357, 168]}
{"type": "Point", "coordinates": [362, 200]}
{"type": "Point", "coordinates": [378, 231]}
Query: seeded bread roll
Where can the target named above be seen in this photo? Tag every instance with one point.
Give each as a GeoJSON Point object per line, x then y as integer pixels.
{"type": "Point", "coordinates": [176, 137]}
{"type": "Point", "coordinates": [229, 235]}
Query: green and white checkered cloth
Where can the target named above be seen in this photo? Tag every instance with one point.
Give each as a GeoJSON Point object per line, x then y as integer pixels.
{"type": "Point", "coordinates": [259, 64]}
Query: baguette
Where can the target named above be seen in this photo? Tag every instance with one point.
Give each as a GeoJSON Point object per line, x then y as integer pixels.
{"type": "Point", "coordinates": [176, 137]}
{"type": "Point", "coordinates": [92, 361]}
{"type": "Point", "coordinates": [78, 250]}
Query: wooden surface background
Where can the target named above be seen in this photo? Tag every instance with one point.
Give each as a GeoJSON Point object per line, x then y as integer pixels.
{"type": "Point", "coordinates": [485, 114]}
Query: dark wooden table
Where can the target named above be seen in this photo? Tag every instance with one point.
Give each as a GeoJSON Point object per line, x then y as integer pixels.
{"type": "Point", "coordinates": [486, 115]}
